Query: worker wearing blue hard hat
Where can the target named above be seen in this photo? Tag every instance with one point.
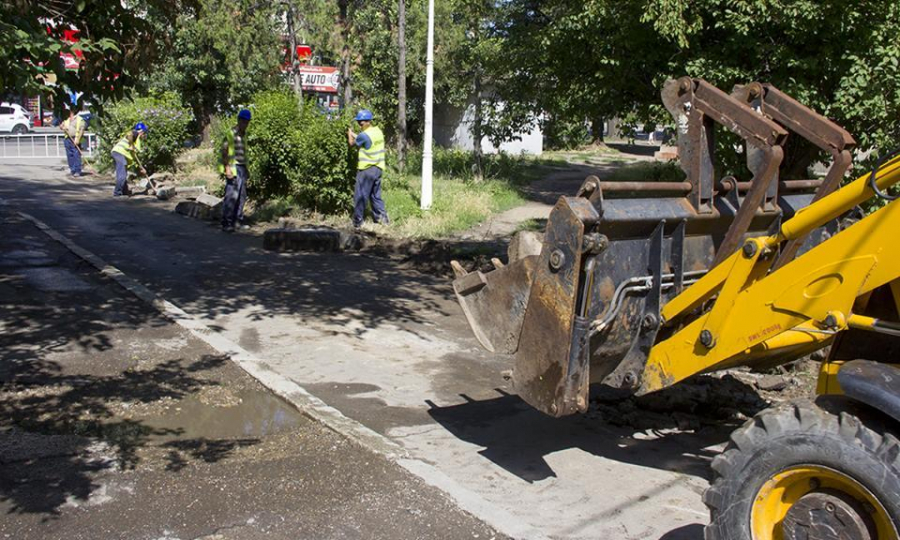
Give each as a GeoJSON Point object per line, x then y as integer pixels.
{"type": "Point", "coordinates": [125, 154]}
{"type": "Point", "coordinates": [233, 167]}
{"type": "Point", "coordinates": [369, 169]}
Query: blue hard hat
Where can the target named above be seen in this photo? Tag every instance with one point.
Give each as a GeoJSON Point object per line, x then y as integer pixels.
{"type": "Point", "coordinates": [140, 126]}
{"type": "Point", "coordinates": [364, 114]}
{"type": "Point", "coordinates": [244, 114]}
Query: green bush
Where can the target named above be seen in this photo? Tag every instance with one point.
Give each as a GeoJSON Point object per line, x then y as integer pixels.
{"type": "Point", "coordinates": [327, 171]}
{"type": "Point", "coordinates": [166, 118]}
{"type": "Point", "coordinates": [273, 144]}
{"type": "Point", "coordinates": [562, 134]}
{"type": "Point", "coordinates": [301, 156]}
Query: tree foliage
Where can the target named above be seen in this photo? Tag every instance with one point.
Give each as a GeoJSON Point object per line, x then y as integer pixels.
{"type": "Point", "coordinates": [221, 54]}
{"type": "Point", "coordinates": [117, 39]}
{"type": "Point", "coordinates": [840, 58]}
{"type": "Point", "coordinates": [589, 60]}
{"type": "Point", "coordinates": [298, 154]}
{"type": "Point", "coordinates": [166, 117]}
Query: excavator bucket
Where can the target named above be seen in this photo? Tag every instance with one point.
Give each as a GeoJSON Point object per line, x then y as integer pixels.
{"type": "Point", "coordinates": [584, 306]}
{"type": "Point", "coordinates": [494, 302]}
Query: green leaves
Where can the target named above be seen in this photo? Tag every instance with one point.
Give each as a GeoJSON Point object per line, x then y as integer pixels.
{"type": "Point", "coordinates": [116, 38]}
{"type": "Point", "coordinates": [300, 155]}
{"type": "Point", "coordinates": [221, 55]}
{"type": "Point", "coordinates": [167, 119]}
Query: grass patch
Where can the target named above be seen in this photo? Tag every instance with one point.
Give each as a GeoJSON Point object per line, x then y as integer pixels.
{"type": "Point", "coordinates": [648, 171]}
{"type": "Point", "coordinates": [270, 211]}
{"type": "Point", "coordinates": [196, 167]}
{"type": "Point", "coordinates": [459, 201]}
{"type": "Point", "coordinates": [457, 205]}
{"type": "Point", "coordinates": [535, 225]}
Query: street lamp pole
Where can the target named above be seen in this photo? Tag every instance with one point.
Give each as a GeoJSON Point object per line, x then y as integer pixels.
{"type": "Point", "coordinates": [427, 150]}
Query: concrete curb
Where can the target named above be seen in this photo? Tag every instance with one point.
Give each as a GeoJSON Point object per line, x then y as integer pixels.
{"type": "Point", "coordinates": [306, 402]}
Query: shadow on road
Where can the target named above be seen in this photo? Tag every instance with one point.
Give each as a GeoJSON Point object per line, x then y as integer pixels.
{"type": "Point", "coordinates": [215, 274]}
{"type": "Point", "coordinates": [671, 430]}
{"type": "Point", "coordinates": [76, 386]}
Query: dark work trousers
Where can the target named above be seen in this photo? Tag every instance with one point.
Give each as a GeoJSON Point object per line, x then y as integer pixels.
{"type": "Point", "coordinates": [121, 174]}
{"type": "Point", "coordinates": [73, 156]}
{"type": "Point", "coordinates": [368, 188]}
{"type": "Point", "coordinates": [235, 197]}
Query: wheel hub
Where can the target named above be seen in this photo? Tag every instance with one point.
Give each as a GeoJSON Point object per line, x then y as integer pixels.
{"type": "Point", "coordinates": [828, 515]}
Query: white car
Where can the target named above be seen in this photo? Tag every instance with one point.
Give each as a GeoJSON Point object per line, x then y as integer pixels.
{"type": "Point", "coordinates": [14, 118]}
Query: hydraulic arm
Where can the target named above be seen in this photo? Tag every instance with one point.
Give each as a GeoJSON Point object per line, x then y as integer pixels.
{"type": "Point", "coordinates": [639, 285]}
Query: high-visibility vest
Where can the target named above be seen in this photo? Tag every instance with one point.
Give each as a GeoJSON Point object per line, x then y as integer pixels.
{"type": "Point", "coordinates": [78, 125]}
{"type": "Point", "coordinates": [128, 149]}
{"type": "Point", "coordinates": [232, 165]}
{"type": "Point", "coordinates": [374, 155]}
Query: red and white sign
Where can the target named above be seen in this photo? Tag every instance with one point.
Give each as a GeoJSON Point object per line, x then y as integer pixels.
{"type": "Point", "coordinates": [303, 53]}
{"type": "Point", "coordinates": [320, 79]}
{"type": "Point", "coordinates": [71, 61]}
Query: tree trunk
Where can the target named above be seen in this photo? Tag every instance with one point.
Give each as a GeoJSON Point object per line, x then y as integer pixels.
{"type": "Point", "coordinates": [597, 130]}
{"type": "Point", "coordinates": [615, 133]}
{"type": "Point", "coordinates": [401, 85]}
{"type": "Point", "coordinates": [295, 62]}
{"type": "Point", "coordinates": [343, 7]}
{"type": "Point", "coordinates": [477, 124]}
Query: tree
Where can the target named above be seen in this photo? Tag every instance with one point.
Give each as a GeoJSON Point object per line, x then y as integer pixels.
{"type": "Point", "coordinates": [116, 38]}
{"type": "Point", "coordinates": [840, 58]}
{"type": "Point", "coordinates": [221, 54]}
{"type": "Point", "coordinates": [344, 23]}
{"type": "Point", "coordinates": [589, 60]}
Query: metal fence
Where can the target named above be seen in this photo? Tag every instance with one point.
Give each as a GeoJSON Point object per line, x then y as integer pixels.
{"type": "Point", "coordinates": [43, 145]}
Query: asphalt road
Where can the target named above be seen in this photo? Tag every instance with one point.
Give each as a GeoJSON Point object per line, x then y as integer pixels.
{"type": "Point", "coordinates": [390, 348]}
{"type": "Point", "coordinates": [117, 423]}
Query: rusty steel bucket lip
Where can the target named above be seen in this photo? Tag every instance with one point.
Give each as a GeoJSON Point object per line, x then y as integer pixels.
{"type": "Point", "coordinates": [504, 290]}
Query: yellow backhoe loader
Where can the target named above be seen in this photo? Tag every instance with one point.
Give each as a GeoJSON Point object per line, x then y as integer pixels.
{"type": "Point", "coordinates": [640, 285]}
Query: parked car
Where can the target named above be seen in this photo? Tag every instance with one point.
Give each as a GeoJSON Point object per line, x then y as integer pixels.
{"type": "Point", "coordinates": [14, 118]}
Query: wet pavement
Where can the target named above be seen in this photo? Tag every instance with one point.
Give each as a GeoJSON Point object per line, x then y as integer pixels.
{"type": "Point", "coordinates": [389, 348]}
{"type": "Point", "coordinates": [117, 423]}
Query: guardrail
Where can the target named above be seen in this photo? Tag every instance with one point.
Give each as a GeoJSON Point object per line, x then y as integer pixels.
{"type": "Point", "coordinates": [43, 145]}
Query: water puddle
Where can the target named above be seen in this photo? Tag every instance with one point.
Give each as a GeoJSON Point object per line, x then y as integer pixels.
{"type": "Point", "coordinates": [23, 257]}
{"type": "Point", "coordinates": [245, 414]}
{"type": "Point", "coordinates": [52, 279]}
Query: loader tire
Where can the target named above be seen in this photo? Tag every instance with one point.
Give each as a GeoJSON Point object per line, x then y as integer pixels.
{"type": "Point", "coordinates": [806, 472]}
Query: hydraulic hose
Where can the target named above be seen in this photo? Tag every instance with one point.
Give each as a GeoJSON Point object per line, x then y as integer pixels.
{"type": "Point", "coordinates": [872, 184]}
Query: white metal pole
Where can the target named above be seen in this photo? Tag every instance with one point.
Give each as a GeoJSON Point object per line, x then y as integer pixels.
{"type": "Point", "coordinates": [427, 170]}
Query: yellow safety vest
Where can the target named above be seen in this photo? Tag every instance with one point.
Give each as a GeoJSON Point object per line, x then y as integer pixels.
{"type": "Point", "coordinates": [229, 138]}
{"type": "Point", "coordinates": [79, 128]}
{"type": "Point", "coordinates": [374, 155]}
{"type": "Point", "coordinates": [127, 149]}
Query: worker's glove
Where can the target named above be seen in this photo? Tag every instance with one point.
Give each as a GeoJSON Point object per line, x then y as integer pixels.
{"type": "Point", "coordinates": [143, 171]}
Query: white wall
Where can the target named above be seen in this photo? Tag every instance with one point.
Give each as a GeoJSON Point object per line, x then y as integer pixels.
{"type": "Point", "coordinates": [453, 129]}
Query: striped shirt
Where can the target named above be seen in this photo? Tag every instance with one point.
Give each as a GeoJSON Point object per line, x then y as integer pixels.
{"type": "Point", "coordinates": [239, 156]}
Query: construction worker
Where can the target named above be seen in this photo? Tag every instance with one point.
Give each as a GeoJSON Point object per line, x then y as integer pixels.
{"type": "Point", "coordinates": [233, 166]}
{"type": "Point", "coordinates": [73, 127]}
{"type": "Point", "coordinates": [125, 155]}
{"type": "Point", "coordinates": [370, 167]}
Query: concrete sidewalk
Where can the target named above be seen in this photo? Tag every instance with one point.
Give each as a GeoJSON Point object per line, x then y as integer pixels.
{"type": "Point", "coordinates": [117, 423]}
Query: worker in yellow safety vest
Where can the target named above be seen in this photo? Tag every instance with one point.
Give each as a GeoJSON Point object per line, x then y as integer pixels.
{"type": "Point", "coordinates": [370, 168]}
{"type": "Point", "coordinates": [125, 155]}
{"type": "Point", "coordinates": [73, 127]}
{"type": "Point", "coordinates": [233, 166]}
